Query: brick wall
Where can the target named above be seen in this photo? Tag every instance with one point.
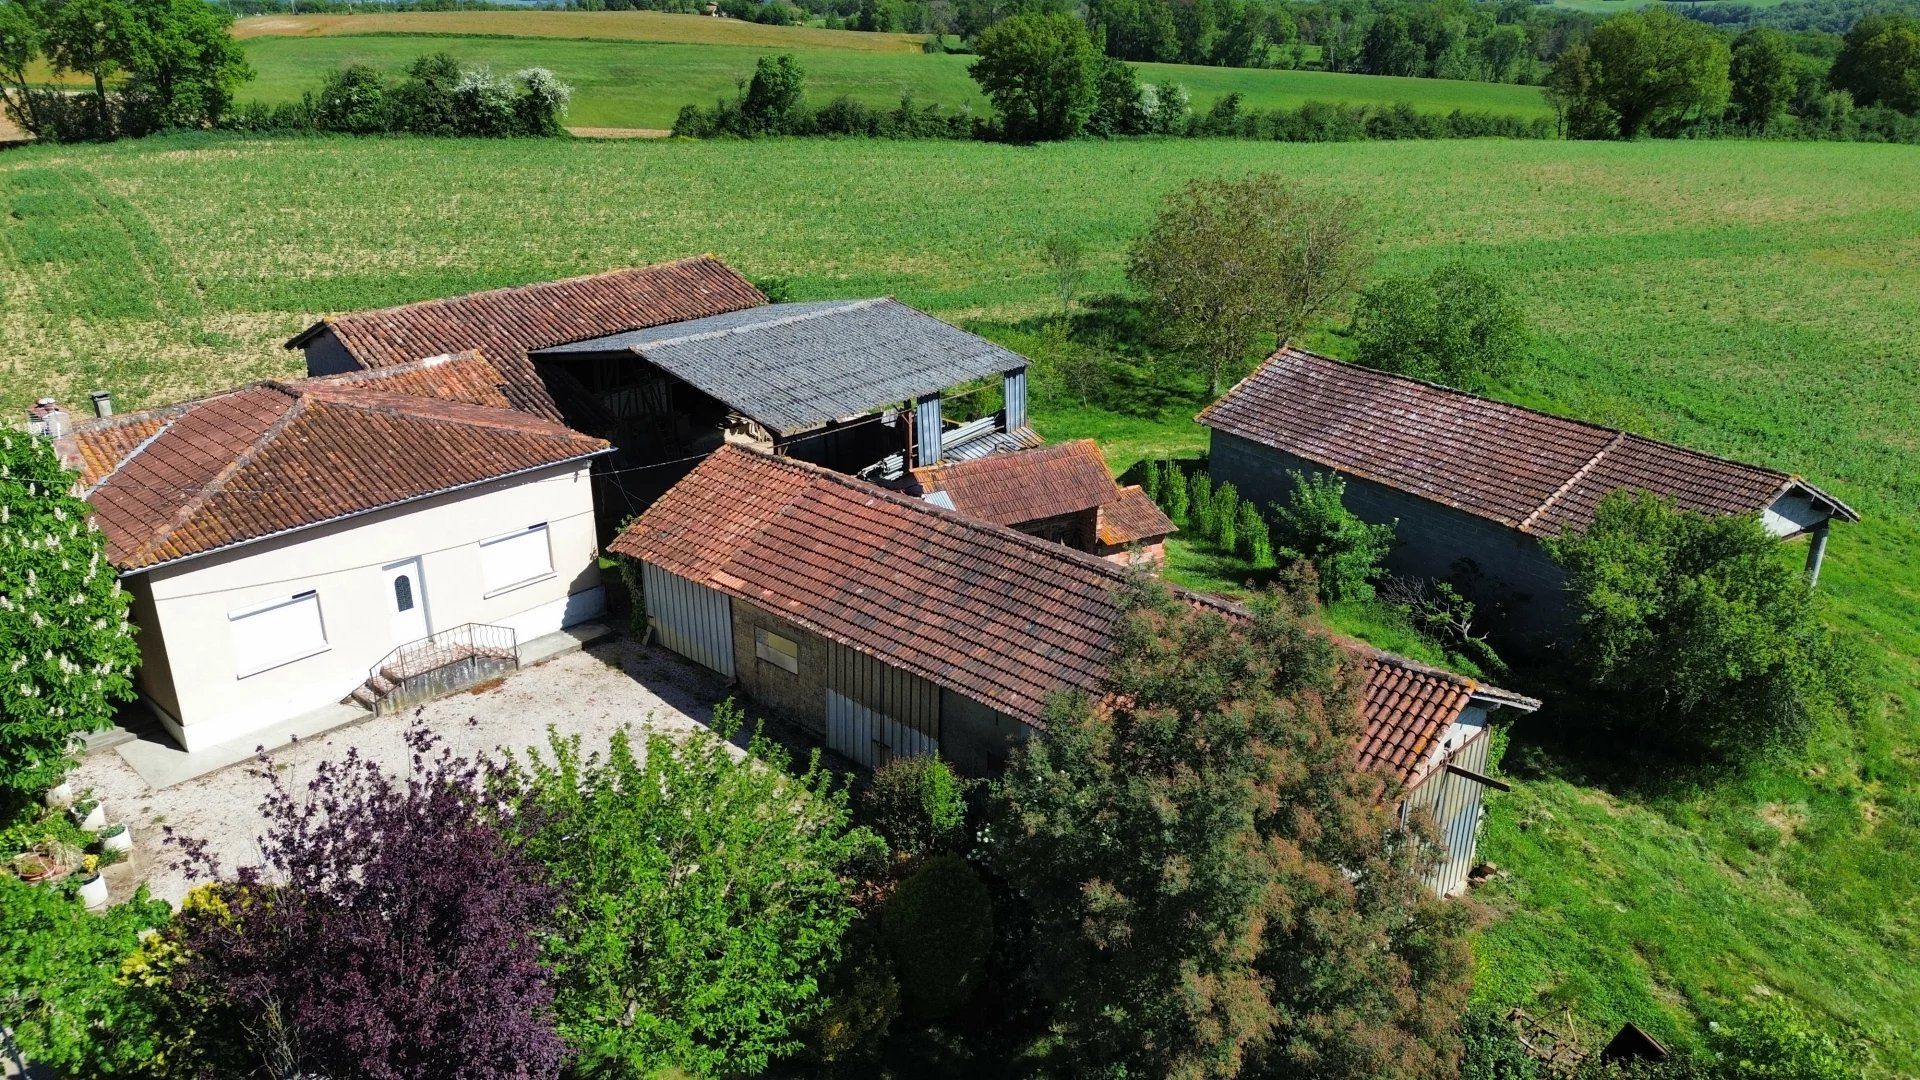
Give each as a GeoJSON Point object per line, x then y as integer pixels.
{"type": "Point", "coordinates": [797, 698]}
{"type": "Point", "coordinates": [1518, 576]}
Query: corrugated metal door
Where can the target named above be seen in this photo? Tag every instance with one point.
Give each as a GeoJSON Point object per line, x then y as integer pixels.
{"type": "Point", "coordinates": [876, 713]}
{"type": "Point", "coordinates": [1457, 805]}
{"type": "Point", "coordinates": [690, 619]}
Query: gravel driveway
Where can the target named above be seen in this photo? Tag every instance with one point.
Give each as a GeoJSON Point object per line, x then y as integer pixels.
{"type": "Point", "coordinates": [589, 693]}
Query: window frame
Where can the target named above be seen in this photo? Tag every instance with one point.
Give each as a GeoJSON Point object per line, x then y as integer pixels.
{"type": "Point", "coordinates": [235, 616]}
{"type": "Point", "coordinates": [488, 589]}
{"type": "Point", "coordinates": [764, 650]}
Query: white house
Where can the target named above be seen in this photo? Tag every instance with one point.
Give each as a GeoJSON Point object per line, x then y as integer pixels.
{"type": "Point", "coordinates": [282, 540]}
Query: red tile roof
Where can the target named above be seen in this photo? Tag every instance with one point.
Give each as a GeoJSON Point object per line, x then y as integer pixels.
{"type": "Point", "coordinates": [508, 323]}
{"type": "Point", "coordinates": [1030, 485]}
{"type": "Point", "coordinates": [275, 456]}
{"type": "Point", "coordinates": [1132, 518]}
{"type": "Point", "coordinates": [1525, 469]}
{"type": "Point", "coordinates": [998, 616]}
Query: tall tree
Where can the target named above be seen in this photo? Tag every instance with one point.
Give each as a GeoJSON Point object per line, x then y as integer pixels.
{"type": "Point", "coordinates": [1763, 74]}
{"type": "Point", "coordinates": [93, 38]}
{"type": "Point", "coordinates": [22, 42]}
{"type": "Point", "coordinates": [1653, 69]}
{"type": "Point", "coordinates": [1215, 882]}
{"type": "Point", "coordinates": [183, 63]}
{"type": "Point", "coordinates": [1456, 325]}
{"type": "Point", "coordinates": [1879, 62]}
{"type": "Point", "coordinates": [1039, 72]}
{"type": "Point", "coordinates": [1226, 259]}
{"type": "Point", "coordinates": [66, 648]}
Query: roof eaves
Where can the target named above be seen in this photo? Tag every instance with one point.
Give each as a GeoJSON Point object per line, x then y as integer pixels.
{"type": "Point", "coordinates": [348, 516]}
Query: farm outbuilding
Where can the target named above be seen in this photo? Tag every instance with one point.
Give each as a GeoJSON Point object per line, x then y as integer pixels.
{"type": "Point", "coordinates": [1474, 484]}
{"type": "Point", "coordinates": [889, 627]}
{"type": "Point", "coordinates": [1061, 493]}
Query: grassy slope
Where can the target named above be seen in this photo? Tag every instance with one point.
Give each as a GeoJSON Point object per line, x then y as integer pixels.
{"type": "Point", "coordinates": [1751, 299]}
{"type": "Point", "coordinates": [636, 69]}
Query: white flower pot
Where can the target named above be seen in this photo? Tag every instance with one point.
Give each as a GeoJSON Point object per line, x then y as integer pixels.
{"type": "Point", "coordinates": [60, 796]}
{"type": "Point", "coordinates": [120, 841]}
{"type": "Point", "coordinates": [95, 819]}
{"type": "Point", "coordinates": [93, 892]}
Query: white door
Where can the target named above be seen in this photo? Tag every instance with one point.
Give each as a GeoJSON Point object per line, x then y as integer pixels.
{"type": "Point", "coordinates": [407, 601]}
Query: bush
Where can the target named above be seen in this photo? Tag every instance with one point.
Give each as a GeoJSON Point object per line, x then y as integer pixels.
{"type": "Point", "coordinates": [918, 805]}
{"type": "Point", "coordinates": [1492, 1050]}
{"type": "Point", "coordinates": [1178, 498]}
{"type": "Point", "coordinates": [1200, 503]}
{"type": "Point", "coordinates": [352, 101]}
{"type": "Point", "coordinates": [938, 926]}
{"type": "Point", "coordinates": [1226, 517]}
{"type": "Point", "coordinates": [862, 996]}
{"type": "Point", "coordinates": [1256, 541]}
{"type": "Point", "coordinates": [1701, 635]}
{"type": "Point", "coordinates": [1316, 527]}
{"type": "Point", "coordinates": [437, 97]}
{"type": "Point", "coordinates": [1771, 1040]}
{"type": "Point", "coordinates": [1455, 326]}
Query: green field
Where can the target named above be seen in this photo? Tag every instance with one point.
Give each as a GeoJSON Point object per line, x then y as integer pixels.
{"type": "Point", "coordinates": [1753, 299]}
{"type": "Point", "coordinates": [672, 61]}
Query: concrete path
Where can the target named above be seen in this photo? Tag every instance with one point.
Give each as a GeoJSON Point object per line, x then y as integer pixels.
{"type": "Point", "coordinates": [589, 693]}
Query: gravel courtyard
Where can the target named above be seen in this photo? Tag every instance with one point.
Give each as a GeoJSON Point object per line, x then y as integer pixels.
{"type": "Point", "coordinates": [589, 693]}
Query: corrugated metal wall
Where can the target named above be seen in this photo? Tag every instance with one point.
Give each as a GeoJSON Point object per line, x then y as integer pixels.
{"type": "Point", "coordinates": [876, 713]}
{"type": "Point", "coordinates": [1014, 393]}
{"type": "Point", "coordinates": [1456, 804]}
{"type": "Point", "coordinates": [926, 430]}
{"type": "Point", "coordinates": [690, 619]}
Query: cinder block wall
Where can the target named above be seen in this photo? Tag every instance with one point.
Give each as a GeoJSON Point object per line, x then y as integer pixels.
{"type": "Point", "coordinates": [1518, 574]}
{"type": "Point", "coordinates": [798, 698]}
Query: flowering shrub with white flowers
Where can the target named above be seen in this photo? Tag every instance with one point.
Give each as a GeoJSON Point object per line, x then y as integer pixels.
{"type": "Point", "coordinates": [66, 647]}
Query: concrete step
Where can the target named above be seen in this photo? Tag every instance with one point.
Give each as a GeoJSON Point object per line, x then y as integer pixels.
{"type": "Point", "coordinates": [367, 696]}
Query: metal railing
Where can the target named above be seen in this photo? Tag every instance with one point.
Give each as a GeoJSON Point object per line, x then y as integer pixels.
{"type": "Point", "coordinates": [451, 646]}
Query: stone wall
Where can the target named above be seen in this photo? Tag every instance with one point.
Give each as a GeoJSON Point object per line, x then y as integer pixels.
{"type": "Point", "coordinates": [1517, 576]}
{"type": "Point", "coordinates": [797, 698]}
{"type": "Point", "coordinates": [975, 739]}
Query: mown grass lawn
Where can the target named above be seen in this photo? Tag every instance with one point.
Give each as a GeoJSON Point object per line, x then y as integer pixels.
{"type": "Point", "coordinates": [644, 82]}
{"type": "Point", "coordinates": [1751, 299]}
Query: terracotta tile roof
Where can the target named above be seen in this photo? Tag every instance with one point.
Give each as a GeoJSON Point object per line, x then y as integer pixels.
{"type": "Point", "coordinates": [508, 323]}
{"type": "Point", "coordinates": [1525, 469]}
{"type": "Point", "coordinates": [1009, 489]}
{"type": "Point", "coordinates": [998, 616]}
{"type": "Point", "coordinates": [1131, 518]}
{"type": "Point", "coordinates": [275, 456]}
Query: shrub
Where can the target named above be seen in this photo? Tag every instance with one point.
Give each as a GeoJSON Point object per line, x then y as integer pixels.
{"type": "Point", "coordinates": [918, 805]}
{"type": "Point", "coordinates": [1315, 526]}
{"type": "Point", "coordinates": [1772, 1040]}
{"type": "Point", "coordinates": [772, 99]}
{"type": "Point", "coordinates": [66, 648]}
{"type": "Point", "coordinates": [705, 895]}
{"type": "Point", "coordinates": [862, 996]}
{"type": "Point", "coordinates": [1153, 481]}
{"type": "Point", "coordinates": [1256, 542]}
{"type": "Point", "coordinates": [424, 102]}
{"type": "Point", "coordinates": [1200, 503]}
{"type": "Point", "coordinates": [1698, 631]}
{"type": "Point", "coordinates": [1178, 502]}
{"type": "Point", "coordinates": [60, 1003]}
{"type": "Point", "coordinates": [388, 931]}
{"type": "Point", "coordinates": [1455, 326]}
{"type": "Point", "coordinates": [1492, 1050]}
{"type": "Point", "coordinates": [484, 105]}
{"type": "Point", "coordinates": [1226, 517]}
{"type": "Point", "coordinates": [352, 101]}
{"type": "Point", "coordinates": [938, 926]}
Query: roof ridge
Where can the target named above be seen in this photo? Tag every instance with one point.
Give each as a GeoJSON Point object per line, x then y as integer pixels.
{"type": "Point", "coordinates": [166, 424]}
{"type": "Point", "coordinates": [444, 411]}
{"type": "Point", "coordinates": [834, 307]}
{"type": "Point", "coordinates": [1579, 474]}
{"type": "Point", "coordinates": [192, 506]}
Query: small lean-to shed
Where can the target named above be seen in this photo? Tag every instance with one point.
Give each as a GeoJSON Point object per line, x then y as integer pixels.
{"type": "Point", "coordinates": [1469, 479]}
{"type": "Point", "coordinates": [889, 627]}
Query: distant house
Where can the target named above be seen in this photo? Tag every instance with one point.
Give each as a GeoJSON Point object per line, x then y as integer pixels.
{"type": "Point", "coordinates": [1474, 480]}
{"type": "Point", "coordinates": [282, 540]}
{"type": "Point", "coordinates": [890, 627]}
{"type": "Point", "coordinates": [667, 362]}
{"type": "Point", "coordinates": [1061, 493]}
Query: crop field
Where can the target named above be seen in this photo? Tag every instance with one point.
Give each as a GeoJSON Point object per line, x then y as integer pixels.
{"type": "Point", "coordinates": [638, 72]}
{"type": "Point", "coordinates": [1751, 299]}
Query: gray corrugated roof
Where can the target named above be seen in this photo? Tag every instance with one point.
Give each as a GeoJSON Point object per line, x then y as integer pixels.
{"type": "Point", "coordinates": [795, 366]}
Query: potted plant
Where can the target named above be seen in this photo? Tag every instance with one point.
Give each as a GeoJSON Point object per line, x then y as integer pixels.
{"type": "Point", "coordinates": [93, 887]}
{"type": "Point", "coordinates": [89, 814]}
{"type": "Point", "coordinates": [60, 796]}
{"type": "Point", "coordinates": [116, 837]}
{"type": "Point", "coordinates": [32, 867]}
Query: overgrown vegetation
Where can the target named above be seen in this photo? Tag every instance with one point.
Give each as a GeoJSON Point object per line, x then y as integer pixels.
{"type": "Point", "coordinates": [437, 97]}
{"type": "Point", "coordinates": [1455, 326]}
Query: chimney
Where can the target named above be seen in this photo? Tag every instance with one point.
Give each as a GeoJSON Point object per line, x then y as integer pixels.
{"type": "Point", "coordinates": [46, 417]}
{"type": "Point", "coordinates": [102, 403]}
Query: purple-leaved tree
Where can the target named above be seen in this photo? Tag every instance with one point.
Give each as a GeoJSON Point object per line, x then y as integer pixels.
{"type": "Point", "coordinates": [388, 934]}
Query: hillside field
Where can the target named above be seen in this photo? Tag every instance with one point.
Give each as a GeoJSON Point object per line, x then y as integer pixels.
{"type": "Point", "coordinates": [1751, 299]}
{"type": "Point", "coordinates": [636, 69]}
